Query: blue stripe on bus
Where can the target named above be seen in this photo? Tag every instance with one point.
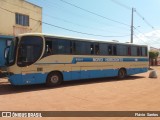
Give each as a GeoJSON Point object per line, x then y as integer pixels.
{"type": "Point", "coordinates": [34, 78]}
{"type": "Point", "coordinates": [39, 78]}
{"type": "Point", "coordinates": [81, 59]}
{"type": "Point", "coordinates": [76, 75]}
{"type": "Point", "coordinates": [135, 59]}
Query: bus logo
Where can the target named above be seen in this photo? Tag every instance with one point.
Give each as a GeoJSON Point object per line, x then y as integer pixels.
{"type": "Point", "coordinates": [6, 114]}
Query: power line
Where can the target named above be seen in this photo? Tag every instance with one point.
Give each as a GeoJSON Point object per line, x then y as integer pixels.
{"type": "Point", "coordinates": [76, 24]}
{"type": "Point", "coordinates": [129, 8]}
{"type": "Point", "coordinates": [19, 6]}
{"type": "Point", "coordinates": [150, 25]}
{"type": "Point", "coordinates": [122, 5]}
{"type": "Point", "coordinates": [79, 31]}
{"type": "Point", "coordinates": [60, 19]}
{"type": "Point", "coordinates": [147, 24]}
{"type": "Point", "coordinates": [144, 19]}
{"type": "Point", "coordinates": [91, 20]}
{"type": "Point", "coordinates": [51, 3]}
{"type": "Point", "coordinates": [65, 28]}
{"type": "Point", "coordinates": [93, 13]}
{"type": "Point", "coordinates": [146, 36]}
{"type": "Point", "coordinates": [141, 39]}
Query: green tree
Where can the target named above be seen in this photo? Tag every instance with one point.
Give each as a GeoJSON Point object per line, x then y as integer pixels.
{"type": "Point", "coordinates": [153, 55]}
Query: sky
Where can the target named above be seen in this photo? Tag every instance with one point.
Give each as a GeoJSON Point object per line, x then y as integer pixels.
{"type": "Point", "coordinates": [103, 19]}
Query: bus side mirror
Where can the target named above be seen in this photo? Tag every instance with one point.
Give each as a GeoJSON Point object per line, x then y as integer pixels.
{"type": "Point", "coordinates": [6, 51]}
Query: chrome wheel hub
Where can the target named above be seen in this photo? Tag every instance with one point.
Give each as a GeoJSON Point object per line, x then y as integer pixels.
{"type": "Point", "coordinates": [54, 79]}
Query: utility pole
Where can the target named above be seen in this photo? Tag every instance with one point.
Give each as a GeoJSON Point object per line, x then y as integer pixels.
{"type": "Point", "coordinates": [132, 26]}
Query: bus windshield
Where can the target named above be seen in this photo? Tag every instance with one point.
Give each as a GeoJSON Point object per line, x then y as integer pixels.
{"type": "Point", "coordinates": [29, 50]}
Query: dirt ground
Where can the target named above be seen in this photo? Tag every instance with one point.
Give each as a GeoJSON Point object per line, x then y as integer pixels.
{"type": "Point", "coordinates": [135, 93]}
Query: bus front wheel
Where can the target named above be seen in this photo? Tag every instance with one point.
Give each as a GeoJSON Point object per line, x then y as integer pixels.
{"type": "Point", "coordinates": [54, 79]}
{"type": "Point", "coordinates": [122, 73]}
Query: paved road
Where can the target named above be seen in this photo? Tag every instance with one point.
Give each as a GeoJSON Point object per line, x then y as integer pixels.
{"type": "Point", "coordinates": [136, 92]}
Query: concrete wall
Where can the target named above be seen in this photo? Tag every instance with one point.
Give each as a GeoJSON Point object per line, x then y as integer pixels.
{"type": "Point", "coordinates": [8, 24]}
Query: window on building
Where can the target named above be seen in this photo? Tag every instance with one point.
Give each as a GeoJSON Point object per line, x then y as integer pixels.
{"type": "Point", "coordinates": [22, 19]}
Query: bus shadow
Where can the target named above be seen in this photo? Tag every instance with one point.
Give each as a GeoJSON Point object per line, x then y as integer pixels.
{"type": "Point", "coordinates": [7, 88]}
{"type": "Point", "coordinates": [98, 80]}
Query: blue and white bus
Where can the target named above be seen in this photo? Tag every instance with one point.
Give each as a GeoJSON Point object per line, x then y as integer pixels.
{"type": "Point", "coordinates": [36, 58]}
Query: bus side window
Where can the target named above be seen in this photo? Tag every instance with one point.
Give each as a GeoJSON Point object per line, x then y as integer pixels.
{"type": "Point", "coordinates": [63, 46]}
{"type": "Point", "coordinates": [134, 51]}
{"type": "Point", "coordinates": [97, 49]}
{"type": "Point", "coordinates": [92, 49]}
{"type": "Point", "coordinates": [122, 50]}
{"type": "Point", "coordinates": [138, 51]}
{"type": "Point", "coordinates": [103, 49]}
{"type": "Point", "coordinates": [49, 50]}
{"type": "Point", "coordinates": [114, 50]}
{"type": "Point", "coordinates": [144, 51]}
{"type": "Point", "coordinates": [110, 49]}
{"type": "Point", "coordinates": [129, 50]}
{"type": "Point", "coordinates": [82, 48]}
{"type": "Point", "coordinates": [73, 48]}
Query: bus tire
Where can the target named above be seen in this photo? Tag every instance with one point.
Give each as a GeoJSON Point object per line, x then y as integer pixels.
{"type": "Point", "coordinates": [54, 79]}
{"type": "Point", "coordinates": [122, 73]}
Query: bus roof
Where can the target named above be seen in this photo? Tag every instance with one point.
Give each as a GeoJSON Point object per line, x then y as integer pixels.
{"type": "Point", "coordinates": [76, 38]}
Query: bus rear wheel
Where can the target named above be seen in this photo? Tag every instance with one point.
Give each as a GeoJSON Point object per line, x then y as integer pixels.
{"type": "Point", "coordinates": [54, 79]}
{"type": "Point", "coordinates": [122, 73]}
